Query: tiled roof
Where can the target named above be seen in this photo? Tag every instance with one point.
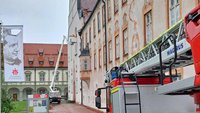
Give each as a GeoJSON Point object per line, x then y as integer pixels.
{"type": "Point", "coordinates": [87, 7]}
{"type": "Point", "coordinates": [49, 52]}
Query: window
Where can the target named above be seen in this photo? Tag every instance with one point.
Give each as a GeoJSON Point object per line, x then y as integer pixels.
{"type": "Point", "coordinates": [51, 62]}
{"type": "Point", "coordinates": [125, 20]}
{"type": "Point", "coordinates": [148, 27]}
{"type": "Point", "coordinates": [28, 76]}
{"type": "Point", "coordinates": [30, 62]}
{"type": "Point", "coordinates": [94, 28]}
{"type": "Point", "coordinates": [42, 76]}
{"type": "Point", "coordinates": [57, 75]}
{"type": "Point", "coordinates": [110, 51]}
{"type": "Point", "coordinates": [104, 54]}
{"type": "Point", "coordinates": [117, 48]}
{"type": "Point", "coordinates": [99, 22]}
{"type": "Point", "coordinates": [86, 38]}
{"type": "Point", "coordinates": [57, 78]}
{"type": "Point", "coordinates": [116, 25]}
{"type": "Point", "coordinates": [41, 62]}
{"type": "Point", "coordinates": [94, 60]}
{"type": "Point", "coordinates": [85, 65]}
{"type": "Point", "coordinates": [103, 19]}
{"type": "Point", "coordinates": [174, 11]}
{"type": "Point", "coordinates": [109, 9]}
{"type": "Point", "coordinates": [100, 58]}
{"type": "Point", "coordinates": [82, 43]}
{"type": "Point", "coordinates": [61, 62]}
{"type": "Point", "coordinates": [41, 51]}
{"type": "Point", "coordinates": [90, 34]}
{"type": "Point", "coordinates": [125, 42]}
{"type": "Point", "coordinates": [116, 6]}
{"type": "Point", "coordinates": [124, 2]}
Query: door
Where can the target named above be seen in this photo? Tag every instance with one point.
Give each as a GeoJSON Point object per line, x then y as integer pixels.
{"type": "Point", "coordinates": [15, 97]}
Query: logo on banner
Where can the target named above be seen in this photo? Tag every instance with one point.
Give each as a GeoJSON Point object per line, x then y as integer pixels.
{"type": "Point", "coordinates": [13, 53]}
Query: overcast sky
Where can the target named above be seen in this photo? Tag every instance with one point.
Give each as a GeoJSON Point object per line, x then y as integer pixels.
{"type": "Point", "coordinates": [44, 21]}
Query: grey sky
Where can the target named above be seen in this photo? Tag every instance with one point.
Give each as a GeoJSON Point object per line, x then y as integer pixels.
{"type": "Point", "coordinates": [44, 21]}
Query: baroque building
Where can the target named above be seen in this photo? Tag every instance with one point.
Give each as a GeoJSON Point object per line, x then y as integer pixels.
{"type": "Point", "coordinates": [39, 65]}
{"type": "Point", "coordinates": [130, 26]}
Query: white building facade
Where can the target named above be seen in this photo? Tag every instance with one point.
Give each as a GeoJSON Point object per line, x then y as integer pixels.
{"type": "Point", "coordinates": [131, 24]}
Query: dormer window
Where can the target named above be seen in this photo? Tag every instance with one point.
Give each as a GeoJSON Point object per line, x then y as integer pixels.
{"type": "Point", "coordinates": [61, 62]}
{"type": "Point", "coordinates": [30, 61]}
{"type": "Point", "coordinates": [41, 62]}
{"type": "Point", "coordinates": [51, 61]}
{"type": "Point", "coordinates": [41, 52]}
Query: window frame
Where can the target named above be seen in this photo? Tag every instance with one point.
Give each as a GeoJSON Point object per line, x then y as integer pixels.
{"type": "Point", "coordinates": [116, 6]}
{"type": "Point", "coordinates": [124, 2]}
{"type": "Point", "coordinates": [148, 26]}
{"type": "Point", "coordinates": [125, 46]}
{"type": "Point", "coordinates": [117, 46]}
{"type": "Point", "coordinates": [98, 22]}
{"type": "Point", "coordinates": [109, 10]}
{"type": "Point", "coordinates": [42, 76]}
{"type": "Point", "coordinates": [110, 51]}
{"type": "Point", "coordinates": [173, 9]}
{"type": "Point", "coordinates": [95, 61]}
{"type": "Point", "coordinates": [94, 28]}
{"type": "Point", "coordinates": [100, 58]}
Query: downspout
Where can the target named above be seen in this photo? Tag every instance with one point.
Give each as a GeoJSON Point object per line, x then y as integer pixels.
{"type": "Point", "coordinates": [107, 90]}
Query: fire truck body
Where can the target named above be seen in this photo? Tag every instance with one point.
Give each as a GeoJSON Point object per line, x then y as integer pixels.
{"type": "Point", "coordinates": [141, 84]}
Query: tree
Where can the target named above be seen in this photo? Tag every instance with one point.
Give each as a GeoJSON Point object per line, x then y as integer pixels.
{"type": "Point", "coordinates": [7, 105]}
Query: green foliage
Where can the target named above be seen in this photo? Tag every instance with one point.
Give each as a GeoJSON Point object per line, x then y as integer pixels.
{"type": "Point", "coordinates": [7, 104]}
{"type": "Point", "coordinates": [19, 107]}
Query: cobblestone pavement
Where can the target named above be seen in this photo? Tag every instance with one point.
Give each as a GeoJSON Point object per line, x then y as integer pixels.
{"type": "Point", "coordinates": [70, 108]}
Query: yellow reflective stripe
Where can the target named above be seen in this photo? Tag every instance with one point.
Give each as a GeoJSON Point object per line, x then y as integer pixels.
{"type": "Point", "coordinates": [153, 40]}
{"type": "Point", "coordinates": [114, 90]}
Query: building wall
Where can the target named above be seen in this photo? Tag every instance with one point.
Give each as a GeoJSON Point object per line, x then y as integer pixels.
{"type": "Point", "coordinates": [73, 60]}
{"type": "Point", "coordinates": [135, 11]}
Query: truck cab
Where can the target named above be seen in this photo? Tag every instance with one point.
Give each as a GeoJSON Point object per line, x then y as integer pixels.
{"type": "Point", "coordinates": [55, 97]}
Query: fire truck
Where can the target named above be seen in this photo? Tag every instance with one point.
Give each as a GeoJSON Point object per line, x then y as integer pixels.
{"type": "Point", "coordinates": [148, 81]}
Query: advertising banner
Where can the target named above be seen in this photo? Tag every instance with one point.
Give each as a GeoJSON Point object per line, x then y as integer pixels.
{"type": "Point", "coordinates": [13, 54]}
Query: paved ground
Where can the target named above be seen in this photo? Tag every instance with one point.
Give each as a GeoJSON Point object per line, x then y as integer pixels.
{"type": "Point", "coordinates": [70, 108]}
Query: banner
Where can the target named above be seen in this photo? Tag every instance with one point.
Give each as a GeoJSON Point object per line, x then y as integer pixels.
{"type": "Point", "coordinates": [13, 53]}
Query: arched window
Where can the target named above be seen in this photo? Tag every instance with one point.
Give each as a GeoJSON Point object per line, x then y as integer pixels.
{"type": "Point", "coordinates": [125, 21]}
{"type": "Point", "coordinates": [116, 25]}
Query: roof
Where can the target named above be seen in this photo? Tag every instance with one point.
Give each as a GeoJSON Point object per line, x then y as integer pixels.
{"type": "Point", "coordinates": [87, 6]}
{"type": "Point", "coordinates": [93, 10]}
{"type": "Point", "coordinates": [50, 53]}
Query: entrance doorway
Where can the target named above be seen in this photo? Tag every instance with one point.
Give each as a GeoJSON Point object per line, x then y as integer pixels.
{"type": "Point", "coordinates": [15, 97]}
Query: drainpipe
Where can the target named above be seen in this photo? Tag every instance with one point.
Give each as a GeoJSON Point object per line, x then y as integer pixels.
{"type": "Point", "coordinates": [81, 92]}
{"type": "Point", "coordinates": [107, 90]}
{"type": "Point", "coordinates": [104, 3]}
{"type": "Point", "coordinates": [0, 63]}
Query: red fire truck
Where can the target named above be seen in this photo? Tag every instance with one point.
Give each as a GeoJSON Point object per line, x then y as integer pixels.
{"type": "Point", "coordinates": [148, 82]}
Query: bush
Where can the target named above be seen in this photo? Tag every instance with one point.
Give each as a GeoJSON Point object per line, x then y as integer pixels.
{"type": "Point", "coordinates": [7, 104]}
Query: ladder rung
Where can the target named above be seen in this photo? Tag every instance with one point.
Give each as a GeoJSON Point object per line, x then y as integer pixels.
{"type": "Point", "coordinates": [129, 93]}
{"type": "Point", "coordinates": [132, 104]}
{"type": "Point", "coordinates": [127, 83]}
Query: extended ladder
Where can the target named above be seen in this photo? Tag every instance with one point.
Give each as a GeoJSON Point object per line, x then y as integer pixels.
{"type": "Point", "coordinates": [146, 61]}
